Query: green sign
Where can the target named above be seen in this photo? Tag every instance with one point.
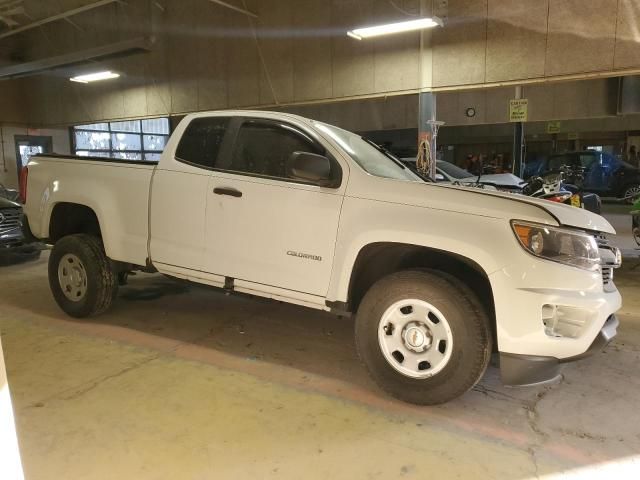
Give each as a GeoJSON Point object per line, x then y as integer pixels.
{"type": "Point", "coordinates": [553, 126]}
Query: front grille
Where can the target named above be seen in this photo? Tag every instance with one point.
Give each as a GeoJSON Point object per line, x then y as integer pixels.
{"type": "Point", "coordinates": [607, 276]}
{"type": "Point", "coordinates": [10, 219]}
{"type": "Point", "coordinates": [605, 247]}
{"type": "Point", "coordinates": [601, 240]}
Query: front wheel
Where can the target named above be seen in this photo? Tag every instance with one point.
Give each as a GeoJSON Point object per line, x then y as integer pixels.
{"type": "Point", "coordinates": [80, 276]}
{"type": "Point", "coordinates": [422, 338]}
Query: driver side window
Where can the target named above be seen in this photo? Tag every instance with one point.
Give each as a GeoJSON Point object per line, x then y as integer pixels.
{"type": "Point", "coordinates": [587, 161]}
{"type": "Point", "coordinates": [263, 148]}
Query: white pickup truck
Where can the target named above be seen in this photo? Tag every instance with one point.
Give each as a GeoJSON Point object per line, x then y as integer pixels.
{"type": "Point", "coordinates": [280, 206]}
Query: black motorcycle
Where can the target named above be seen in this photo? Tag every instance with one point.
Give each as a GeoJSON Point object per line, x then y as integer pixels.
{"type": "Point", "coordinates": [564, 186]}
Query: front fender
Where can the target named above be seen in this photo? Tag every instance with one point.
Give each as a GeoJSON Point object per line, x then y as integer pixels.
{"type": "Point", "coordinates": [486, 241]}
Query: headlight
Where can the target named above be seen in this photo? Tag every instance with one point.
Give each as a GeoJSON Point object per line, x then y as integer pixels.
{"type": "Point", "coordinates": [558, 245]}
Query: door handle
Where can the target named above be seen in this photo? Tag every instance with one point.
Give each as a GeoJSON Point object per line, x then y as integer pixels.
{"type": "Point", "coordinates": [232, 192]}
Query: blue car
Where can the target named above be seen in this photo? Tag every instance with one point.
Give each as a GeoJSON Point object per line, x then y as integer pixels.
{"type": "Point", "coordinates": [605, 174]}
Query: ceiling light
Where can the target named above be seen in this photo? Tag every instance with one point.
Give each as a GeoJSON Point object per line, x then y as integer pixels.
{"type": "Point", "coordinates": [94, 77]}
{"type": "Point", "coordinates": [389, 28]}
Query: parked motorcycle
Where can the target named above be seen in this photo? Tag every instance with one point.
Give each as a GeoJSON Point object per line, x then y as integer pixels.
{"type": "Point", "coordinates": [635, 221]}
{"type": "Point", "coordinates": [564, 186]}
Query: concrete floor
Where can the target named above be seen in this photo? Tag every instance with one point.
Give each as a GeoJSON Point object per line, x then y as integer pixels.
{"type": "Point", "coordinates": [184, 382]}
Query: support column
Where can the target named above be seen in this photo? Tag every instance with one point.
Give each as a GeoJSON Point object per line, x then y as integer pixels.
{"type": "Point", "coordinates": [518, 142]}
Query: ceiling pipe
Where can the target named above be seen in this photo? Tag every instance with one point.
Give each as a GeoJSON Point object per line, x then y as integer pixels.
{"type": "Point", "coordinates": [81, 57]}
{"type": "Point", "coordinates": [60, 16]}
{"type": "Point", "coordinates": [233, 7]}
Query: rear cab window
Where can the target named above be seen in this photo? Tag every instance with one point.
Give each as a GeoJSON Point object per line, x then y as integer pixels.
{"type": "Point", "coordinates": [202, 141]}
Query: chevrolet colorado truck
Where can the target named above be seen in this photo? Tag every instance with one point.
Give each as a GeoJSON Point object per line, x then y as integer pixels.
{"type": "Point", "coordinates": [279, 206]}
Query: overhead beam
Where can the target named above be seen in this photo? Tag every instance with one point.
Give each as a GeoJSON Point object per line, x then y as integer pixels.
{"type": "Point", "coordinates": [113, 50]}
{"type": "Point", "coordinates": [8, 21]}
{"type": "Point", "coordinates": [60, 16]}
{"type": "Point", "coordinates": [233, 7]}
{"type": "Point", "coordinates": [8, 5]}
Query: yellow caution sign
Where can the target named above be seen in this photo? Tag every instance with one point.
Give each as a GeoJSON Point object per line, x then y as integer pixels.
{"type": "Point", "coordinates": [518, 110]}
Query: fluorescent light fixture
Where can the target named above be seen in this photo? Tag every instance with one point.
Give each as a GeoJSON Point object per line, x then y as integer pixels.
{"type": "Point", "coordinates": [95, 77]}
{"type": "Point", "coordinates": [390, 28]}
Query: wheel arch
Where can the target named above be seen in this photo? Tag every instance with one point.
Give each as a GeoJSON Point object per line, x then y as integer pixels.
{"type": "Point", "coordinates": [377, 260]}
{"type": "Point", "coordinates": [67, 218]}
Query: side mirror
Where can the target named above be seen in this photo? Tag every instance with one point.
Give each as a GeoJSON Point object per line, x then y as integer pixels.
{"type": "Point", "coordinates": [440, 177]}
{"type": "Point", "coordinates": [310, 167]}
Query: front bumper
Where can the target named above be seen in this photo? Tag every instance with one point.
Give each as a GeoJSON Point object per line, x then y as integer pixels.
{"type": "Point", "coordinates": [548, 314]}
{"type": "Point", "coordinates": [11, 238]}
{"type": "Point", "coordinates": [522, 370]}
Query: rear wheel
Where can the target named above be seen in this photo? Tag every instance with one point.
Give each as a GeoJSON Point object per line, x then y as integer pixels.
{"type": "Point", "coordinates": [631, 193]}
{"type": "Point", "coordinates": [423, 339]}
{"type": "Point", "coordinates": [81, 277]}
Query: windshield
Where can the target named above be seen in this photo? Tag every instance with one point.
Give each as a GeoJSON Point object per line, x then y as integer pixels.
{"type": "Point", "coordinates": [367, 155]}
{"type": "Point", "coordinates": [453, 170]}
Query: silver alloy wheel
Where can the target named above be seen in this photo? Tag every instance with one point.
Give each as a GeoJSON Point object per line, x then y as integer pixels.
{"type": "Point", "coordinates": [72, 277]}
{"type": "Point", "coordinates": [415, 338]}
{"type": "Point", "coordinates": [632, 193]}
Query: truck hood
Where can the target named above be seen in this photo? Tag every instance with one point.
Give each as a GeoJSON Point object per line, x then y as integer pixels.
{"type": "Point", "coordinates": [564, 214]}
{"type": "Point", "coordinates": [475, 201]}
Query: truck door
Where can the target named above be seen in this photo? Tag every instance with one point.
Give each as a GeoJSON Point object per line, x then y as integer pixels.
{"type": "Point", "coordinates": [179, 195]}
{"type": "Point", "coordinates": [263, 226]}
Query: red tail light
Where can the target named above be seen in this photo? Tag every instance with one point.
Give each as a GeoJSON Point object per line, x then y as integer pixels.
{"type": "Point", "coordinates": [24, 173]}
{"type": "Point", "coordinates": [559, 197]}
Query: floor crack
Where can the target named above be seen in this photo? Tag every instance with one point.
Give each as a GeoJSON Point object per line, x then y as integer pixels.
{"type": "Point", "coordinates": [532, 410]}
{"type": "Point", "coordinates": [95, 383]}
{"type": "Point", "coordinates": [92, 384]}
{"type": "Point", "coordinates": [497, 395]}
{"type": "Point", "coordinates": [532, 419]}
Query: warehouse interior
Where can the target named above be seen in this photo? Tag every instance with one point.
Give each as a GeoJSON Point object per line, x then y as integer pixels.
{"type": "Point", "coordinates": [180, 380]}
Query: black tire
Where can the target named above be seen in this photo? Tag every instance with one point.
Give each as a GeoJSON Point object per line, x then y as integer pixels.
{"type": "Point", "coordinates": [470, 329]}
{"type": "Point", "coordinates": [102, 282]}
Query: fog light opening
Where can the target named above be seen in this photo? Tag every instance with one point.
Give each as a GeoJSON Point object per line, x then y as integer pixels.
{"type": "Point", "coordinates": [565, 321]}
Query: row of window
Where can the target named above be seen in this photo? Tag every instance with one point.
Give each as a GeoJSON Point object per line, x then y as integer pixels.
{"type": "Point", "coordinates": [262, 147]}
{"type": "Point", "coordinates": [128, 140]}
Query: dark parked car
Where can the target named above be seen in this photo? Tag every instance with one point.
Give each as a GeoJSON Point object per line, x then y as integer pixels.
{"type": "Point", "coordinates": [13, 247]}
{"type": "Point", "coordinates": [604, 174]}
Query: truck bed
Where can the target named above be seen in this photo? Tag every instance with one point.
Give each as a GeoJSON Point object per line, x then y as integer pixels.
{"type": "Point", "coordinates": [95, 159]}
{"type": "Point", "coordinates": [116, 190]}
